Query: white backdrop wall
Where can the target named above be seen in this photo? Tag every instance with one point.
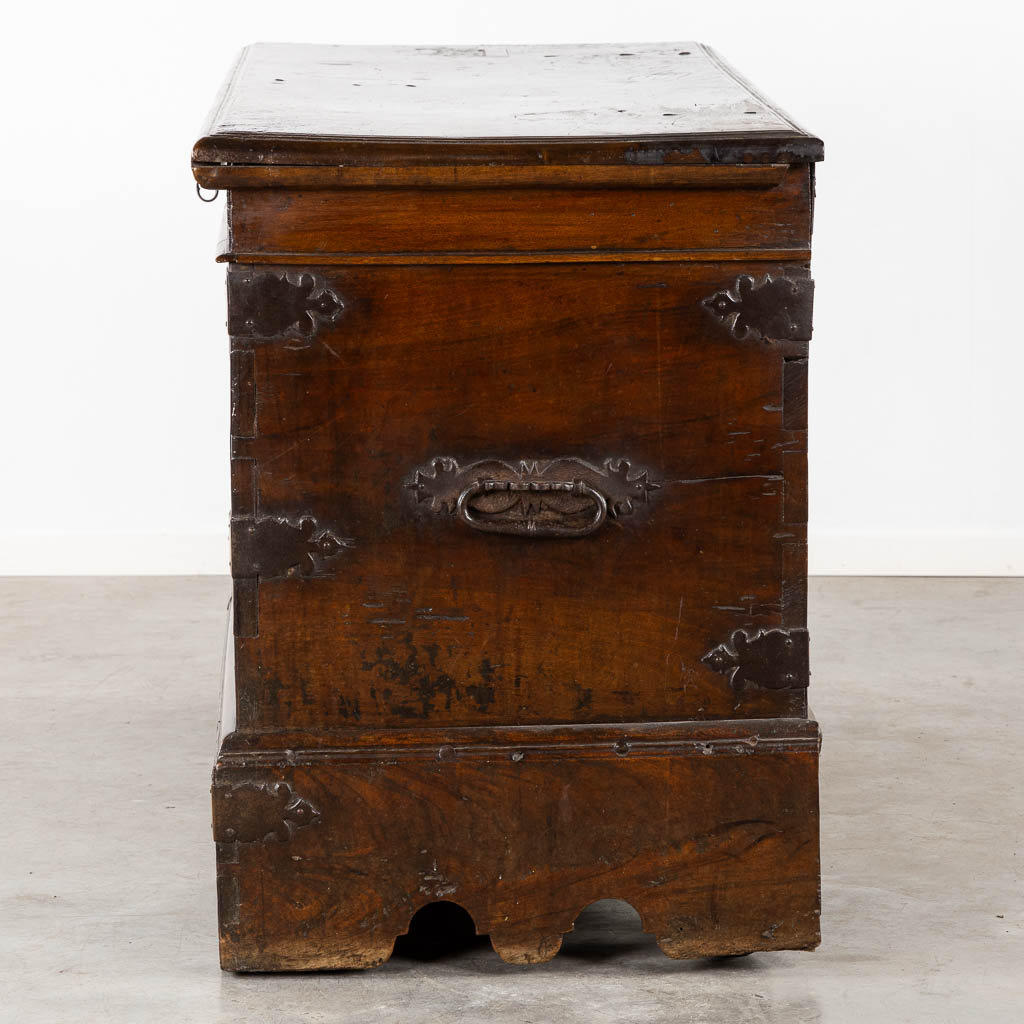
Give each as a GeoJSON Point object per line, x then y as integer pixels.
{"type": "Point", "coordinates": [113, 395]}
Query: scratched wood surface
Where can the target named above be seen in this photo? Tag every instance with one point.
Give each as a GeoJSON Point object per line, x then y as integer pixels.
{"type": "Point", "coordinates": [418, 617]}
{"type": "Point", "coordinates": [310, 104]}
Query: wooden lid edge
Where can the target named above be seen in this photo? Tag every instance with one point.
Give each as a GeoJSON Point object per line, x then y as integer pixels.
{"type": "Point", "coordinates": [259, 150]}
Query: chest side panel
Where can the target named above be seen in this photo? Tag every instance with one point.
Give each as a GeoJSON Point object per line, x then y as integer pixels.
{"type": "Point", "coordinates": [407, 435]}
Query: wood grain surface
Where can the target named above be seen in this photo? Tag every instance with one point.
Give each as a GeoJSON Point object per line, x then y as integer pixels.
{"type": "Point", "coordinates": [717, 851]}
{"type": "Point", "coordinates": [419, 618]}
{"type": "Point", "coordinates": [560, 176]}
{"type": "Point", "coordinates": [359, 220]}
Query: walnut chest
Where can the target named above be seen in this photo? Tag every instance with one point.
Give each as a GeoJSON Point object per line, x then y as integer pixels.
{"type": "Point", "coordinates": [519, 345]}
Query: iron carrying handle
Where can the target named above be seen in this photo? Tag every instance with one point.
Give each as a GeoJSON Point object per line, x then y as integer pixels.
{"type": "Point", "coordinates": [526, 516]}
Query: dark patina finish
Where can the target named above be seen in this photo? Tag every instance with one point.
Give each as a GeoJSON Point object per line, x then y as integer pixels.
{"type": "Point", "coordinates": [518, 468]}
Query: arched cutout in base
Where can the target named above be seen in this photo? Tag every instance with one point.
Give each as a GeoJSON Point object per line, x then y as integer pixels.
{"type": "Point", "coordinates": [606, 928]}
{"type": "Point", "coordinates": [437, 930]}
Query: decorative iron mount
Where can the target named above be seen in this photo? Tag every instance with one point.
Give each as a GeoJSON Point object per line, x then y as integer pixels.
{"type": "Point", "coordinates": [273, 305]}
{"type": "Point", "coordinates": [562, 498]}
{"type": "Point", "coordinates": [773, 659]}
{"type": "Point", "coordinates": [274, 548]}
{"type": "Point", "coordinates": [765, 308]}
{"type": "Point", "coordinates": [260, 812]}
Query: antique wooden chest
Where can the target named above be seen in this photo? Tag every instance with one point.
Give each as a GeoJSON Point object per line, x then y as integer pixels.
{"type": "Point", "coordinates": [519, 345]}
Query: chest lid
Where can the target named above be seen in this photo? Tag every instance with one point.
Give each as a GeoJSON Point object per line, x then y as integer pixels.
{"type": "Point", "coordinates": [640, 105]}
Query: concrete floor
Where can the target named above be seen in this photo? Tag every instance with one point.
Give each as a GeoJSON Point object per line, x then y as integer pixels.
{"type": "Point", "coordinates": [109, 704]}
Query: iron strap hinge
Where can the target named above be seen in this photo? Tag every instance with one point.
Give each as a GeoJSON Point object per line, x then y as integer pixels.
{"type": "Point", "coordinates": [271, 547]}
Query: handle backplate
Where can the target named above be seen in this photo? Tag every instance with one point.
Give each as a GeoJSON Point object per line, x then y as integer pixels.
{"type": "Point", "coordinates": [564, 497]}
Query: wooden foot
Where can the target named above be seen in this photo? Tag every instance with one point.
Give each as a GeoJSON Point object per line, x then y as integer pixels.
{"type": "Point", "coordinates": [302, 956]}
{"type": "Point", "coordinates": [696, 948]}
{"type": "Point", "coordinates": [525, 947]}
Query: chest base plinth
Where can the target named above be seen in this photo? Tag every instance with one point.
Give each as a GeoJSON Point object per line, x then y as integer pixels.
{"type": "Point", "coordinates": [709, 830]}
